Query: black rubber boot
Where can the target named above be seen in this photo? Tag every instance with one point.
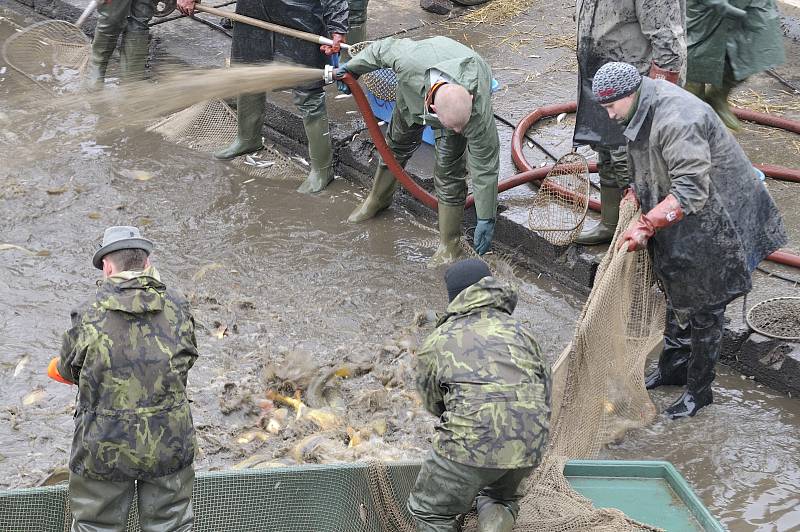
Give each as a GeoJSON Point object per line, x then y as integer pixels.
{"type": "Point", "coordinates": [674, 359]}
{"type": "Point", "coordinates": [706, 342]}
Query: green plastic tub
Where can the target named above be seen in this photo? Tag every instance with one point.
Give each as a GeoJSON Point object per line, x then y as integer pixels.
{"type": "Point", "coordinates": [650, 492]}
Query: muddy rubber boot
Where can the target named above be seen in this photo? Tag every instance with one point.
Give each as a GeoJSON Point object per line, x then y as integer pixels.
{"type": "Point", "coordinates": [450, 219]}
{"type": "Point", "coordinates": [357, 33]}
{"type": "Point", "coordinates": [495, 518]}
{"type": "Point", "coordinates": [706, 342]}
{"type": "Point", "coordinates": [698, 89]}
{"type": "Point", "coordinates": [717, 98]}
{"type": "Point", "coordinates": [674, 359]}
{"type": "Point", "coordinates": [379, 198]}
{"type": "Point", "coordinates": [250, 118]}
{"type": "Point", "coordinates": [603, 232]}
{"type": "Point", "coordinates": [320, 155]}
{"type": "Point", "coordinates": [103, 46]}
{"type": "Point", "coordinates": [133, 54]}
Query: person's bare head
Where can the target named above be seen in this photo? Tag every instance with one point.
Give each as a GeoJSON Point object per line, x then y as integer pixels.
{"type": "Point", "coordinates": [125, 260]}
{"type": "Point", "coordinates": [453, 105]}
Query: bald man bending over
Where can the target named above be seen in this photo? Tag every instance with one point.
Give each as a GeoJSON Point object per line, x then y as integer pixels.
{"type": "Point", "coordinates": [446, 85]}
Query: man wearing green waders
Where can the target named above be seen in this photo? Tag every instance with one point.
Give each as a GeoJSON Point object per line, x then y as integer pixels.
{"type": "Point", "coordinates": [446, 85]}
{"type": "Point", "coordinates": [254, 45]}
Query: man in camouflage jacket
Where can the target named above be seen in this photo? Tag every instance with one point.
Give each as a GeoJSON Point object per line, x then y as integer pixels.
{"type": "Point", "coordinates": [482, 374]}
{"type": "Point", "coordinates": [129, 351]}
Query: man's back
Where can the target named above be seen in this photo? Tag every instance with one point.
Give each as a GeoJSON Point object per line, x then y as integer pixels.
{"type": "Point", "coordinates": [482, 371]}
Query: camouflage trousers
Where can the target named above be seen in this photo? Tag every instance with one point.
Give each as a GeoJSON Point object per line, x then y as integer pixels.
{"type": "Point", "coordinates": [445, 490]}
{"type": "Point", "coordinates": [450, 167]}
{"type": "Point", "coordinates": [164, 503]}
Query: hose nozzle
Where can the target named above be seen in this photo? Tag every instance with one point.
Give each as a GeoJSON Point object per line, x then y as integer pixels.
{"type": "Point", "coordinates": [327, 75]}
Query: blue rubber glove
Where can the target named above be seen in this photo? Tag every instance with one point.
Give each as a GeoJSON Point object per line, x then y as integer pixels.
{"type": "Point", "coordinates": [484, 232]}
{"type": "Point", "coordinates": [338, 73]}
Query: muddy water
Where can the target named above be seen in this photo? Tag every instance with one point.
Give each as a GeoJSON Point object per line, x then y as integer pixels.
{"type": "Point", "coordinates": [283, 289]}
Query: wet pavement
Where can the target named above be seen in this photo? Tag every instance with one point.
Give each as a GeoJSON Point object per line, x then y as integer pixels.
{"type": "Point", "coordinates": [284, 290]}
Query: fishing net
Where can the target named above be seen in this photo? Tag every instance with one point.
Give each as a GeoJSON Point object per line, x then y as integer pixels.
{"type": "Point", "coordinates": [212, 125]}
{"type": "Point", "coordinates": [559, 207]}
{"type": "Point", "coordinates": [51, 53]}
{"type": "Point", "coordinates": [381, 83]}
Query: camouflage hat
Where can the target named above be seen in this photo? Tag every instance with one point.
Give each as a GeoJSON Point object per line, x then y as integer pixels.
{"type": "Point", "coordinates": [120, 237]}
{"type": "Point", "coordinates": [464, 274]}
{"type": "Point", "coordinates": [614, 81]}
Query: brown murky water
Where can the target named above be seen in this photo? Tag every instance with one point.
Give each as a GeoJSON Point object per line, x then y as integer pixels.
{"type": "Point", "coordinates": [283, 290]}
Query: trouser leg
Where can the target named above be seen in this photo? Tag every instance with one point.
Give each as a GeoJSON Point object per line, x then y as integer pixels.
{"type": "Point", "coordinates": [444, 490]}
{"type": "Point", "coordinates": [674, 359]}
{"type": "Point", "coordinates": [357, 21]}
{"type": "Point", "coordinates": [111, 21]}
{"type": "Point", "coordinates": [99, 505]}
{"type": "Point", "coordinates": [136, 40]}
{"type": "Point", "coordinates": [311, 104]}
{"type": "Point", "coordinates": [706, 341]}
{"type": "Point", "coordinates": [165, 503]}
{"type": "Point", "coordinates": [498, 503]}
{"type": "Point", "coordinates": [403, 139]}
{"type": "Point", "coordinates": [612, 167]}
{"type": "Point", "coordinates": [450, 182]}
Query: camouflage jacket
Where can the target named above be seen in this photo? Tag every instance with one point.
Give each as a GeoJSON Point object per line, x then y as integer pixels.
{"type": "Point", "coordinates": [482, 373]}
{"type": "Point", "coordinates": [129, 351]}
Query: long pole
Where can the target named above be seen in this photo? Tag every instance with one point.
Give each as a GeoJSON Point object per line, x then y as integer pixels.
{"type": "Point", "coordinates": [318, 39]}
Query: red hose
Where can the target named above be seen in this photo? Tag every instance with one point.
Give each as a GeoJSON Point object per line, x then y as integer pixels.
{"type": "Point", "coordinates": [529, 173]}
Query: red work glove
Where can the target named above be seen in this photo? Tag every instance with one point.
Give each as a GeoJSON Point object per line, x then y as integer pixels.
{"type": "Point", "coordinates": [656, 72]}
{"type": "Point", "coordinates": [186, 7]}
{"type": "Point", "coordinates": [52, 372]}
{"type": "Point", "coordinates": [330, 49]}
{"type": "Point", "coordinates": [666, 213]}
{"type": "Point", "coordinates": [630, 195]}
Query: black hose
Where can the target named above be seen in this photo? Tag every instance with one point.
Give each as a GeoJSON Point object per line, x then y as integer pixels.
{"type": "Point", "coordinates": [527, 136]}
{"type": "Point", "coordinates": [780, 276]}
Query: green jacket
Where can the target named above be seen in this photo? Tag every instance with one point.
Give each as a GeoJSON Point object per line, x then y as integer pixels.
{"type": "Point", "coordinates": [129, 351]}
{"type": "Point", "coordinates": [482, 373]}
{"type": "Point", "coordinates": [752, 40]}
{"type": "Point", "coordinates": [412, 62]}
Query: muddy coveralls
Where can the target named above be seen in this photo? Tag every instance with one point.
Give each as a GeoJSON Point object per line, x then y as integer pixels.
{"type": "Point", "coordinates": [677, 145]}
{"type": "Point", "coordinates": [255, 45]}
{"type": "Point", "coordinates": [128, 18]}
{"type": "Point", "coordinates": [129, 351]}
{"type": "Point", "coordinates": [728, 41]}
{"type": "Point", "coordinates": [418, 65]}
{"type": "Point", "coordinates": [482, 374]}
{"type": "Point", "coordinates": [648, 34]}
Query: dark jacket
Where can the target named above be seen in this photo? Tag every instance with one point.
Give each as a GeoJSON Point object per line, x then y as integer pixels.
{"type": "Point", "coordinates": [678, 145]}
{"type": "Point", "coordinates": [639, 32]}
{"type": "Point", "coordinates": [482, 373]}
{"type": "Point", "coordinates": [129, 351]}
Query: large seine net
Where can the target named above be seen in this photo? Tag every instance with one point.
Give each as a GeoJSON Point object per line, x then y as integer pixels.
{"type": "Point", "coordinates": [51, 53]}
{"type": "Point", "coordinates": [559, 207]}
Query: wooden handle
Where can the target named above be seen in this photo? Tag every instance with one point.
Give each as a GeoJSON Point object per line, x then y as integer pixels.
{"type": "Point", "coordinates": [318, 39]}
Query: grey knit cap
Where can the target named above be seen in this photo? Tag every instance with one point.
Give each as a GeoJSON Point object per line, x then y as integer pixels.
{"type": "Point", "coordinates": [614, 81]}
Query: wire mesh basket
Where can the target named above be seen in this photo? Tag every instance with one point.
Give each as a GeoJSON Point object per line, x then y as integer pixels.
{"type": "Point", "coordinates": [559, 207]}
{"type": "Point", "coordinates": [381, 83]}
{"type": "Point", "coordinates": [778, 318]}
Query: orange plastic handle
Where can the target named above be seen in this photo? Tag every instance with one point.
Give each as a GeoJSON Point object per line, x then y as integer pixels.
{"type": "Point", "coordinates": [52, 372]}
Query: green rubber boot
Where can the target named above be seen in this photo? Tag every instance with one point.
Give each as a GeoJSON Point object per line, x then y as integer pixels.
{"type": "Point", "coordinates": [495, 518]}
{"type": "Point", "coordinates": [603, 232]}
{"type": "Point", "coordinates": [717, 98]}
{"type": "Point", "coordinates": [103, 46]}
{"type": "Point", "coordinates": [379, 198]}
{"type": "Point", "coordinates": [357, 33]}
{"type": "Point", "coordinates": [250, 117]}
{"type": "Point", "coordinates": [320, 154]}
{"type": "Point", "coordinates": [133, 54]}
{"type": "Point", "coordinates": [698, 89]}
{"type": "Point", "coordinates": [450, 219]}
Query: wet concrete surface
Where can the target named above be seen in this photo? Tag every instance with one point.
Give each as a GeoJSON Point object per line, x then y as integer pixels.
{"type": "Point", "coordinates": [273, 274]}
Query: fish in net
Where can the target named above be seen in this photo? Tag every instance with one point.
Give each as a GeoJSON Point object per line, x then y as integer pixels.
{"type": "Point", "coordinates": [559, 207]}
